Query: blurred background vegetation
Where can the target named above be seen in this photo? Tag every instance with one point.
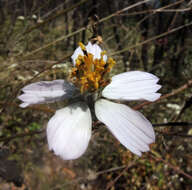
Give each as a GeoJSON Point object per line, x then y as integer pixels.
{"type": "Point", "coordinates": [37, 39]}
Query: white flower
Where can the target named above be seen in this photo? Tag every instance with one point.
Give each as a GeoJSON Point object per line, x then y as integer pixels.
{"type": "Point", "coordinates": [69, 130]}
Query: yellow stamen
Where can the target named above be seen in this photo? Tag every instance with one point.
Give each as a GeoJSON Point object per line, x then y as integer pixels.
{"type": "Point", "coordinates": [82, 46]}
{"type": "Point", "coordinates": [89, 74]}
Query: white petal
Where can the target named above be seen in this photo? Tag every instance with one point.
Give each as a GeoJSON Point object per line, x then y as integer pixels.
{"type": "Point", "coordinates": [130, 127]}
{"type": "Point", "coordinates": [105, 58]}
{"type": "Point", "coordinates": [133, 85]}
{"type": "Point", "coordinates": [94, 49]}
{"type": "Point", "coordinates": [23, 105]}
{"type": "Point", "coordinates": [46, 92]}
{"type": "Point", "coordinates": [69, 131]}
{"type": "Point", "coordinates": [76, 53]}
{"type": "Point", "coordinates": [89, 48]}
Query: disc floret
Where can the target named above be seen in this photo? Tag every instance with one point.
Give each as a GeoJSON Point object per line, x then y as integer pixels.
{"type": "Point", "coordinates": [89, 73]}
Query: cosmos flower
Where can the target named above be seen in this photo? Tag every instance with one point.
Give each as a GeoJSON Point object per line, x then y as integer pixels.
{"type": "Point", "coordinates": [94, 93]}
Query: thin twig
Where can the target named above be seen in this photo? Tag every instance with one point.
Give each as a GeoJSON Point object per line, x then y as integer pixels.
{"type": "Point", "coordinates": [42, 108]}
{"type": "Point", "coordinates": [174, 134]}
{"type": "Point", "coordinates": [111, 170]}
{"type": "Point", "coordinates": [173, 124]}
{"type": "Point", "coordinates": [173, 10]}
{"type": "Point", "coordinates": [109, 185]}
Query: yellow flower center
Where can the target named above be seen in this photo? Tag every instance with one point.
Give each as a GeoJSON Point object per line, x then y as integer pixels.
{"type": "Point", "coordinates": [90, 74]}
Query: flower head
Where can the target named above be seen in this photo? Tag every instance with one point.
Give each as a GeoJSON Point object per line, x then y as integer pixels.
{"type": "Point", "coordinates": [69, 130]}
